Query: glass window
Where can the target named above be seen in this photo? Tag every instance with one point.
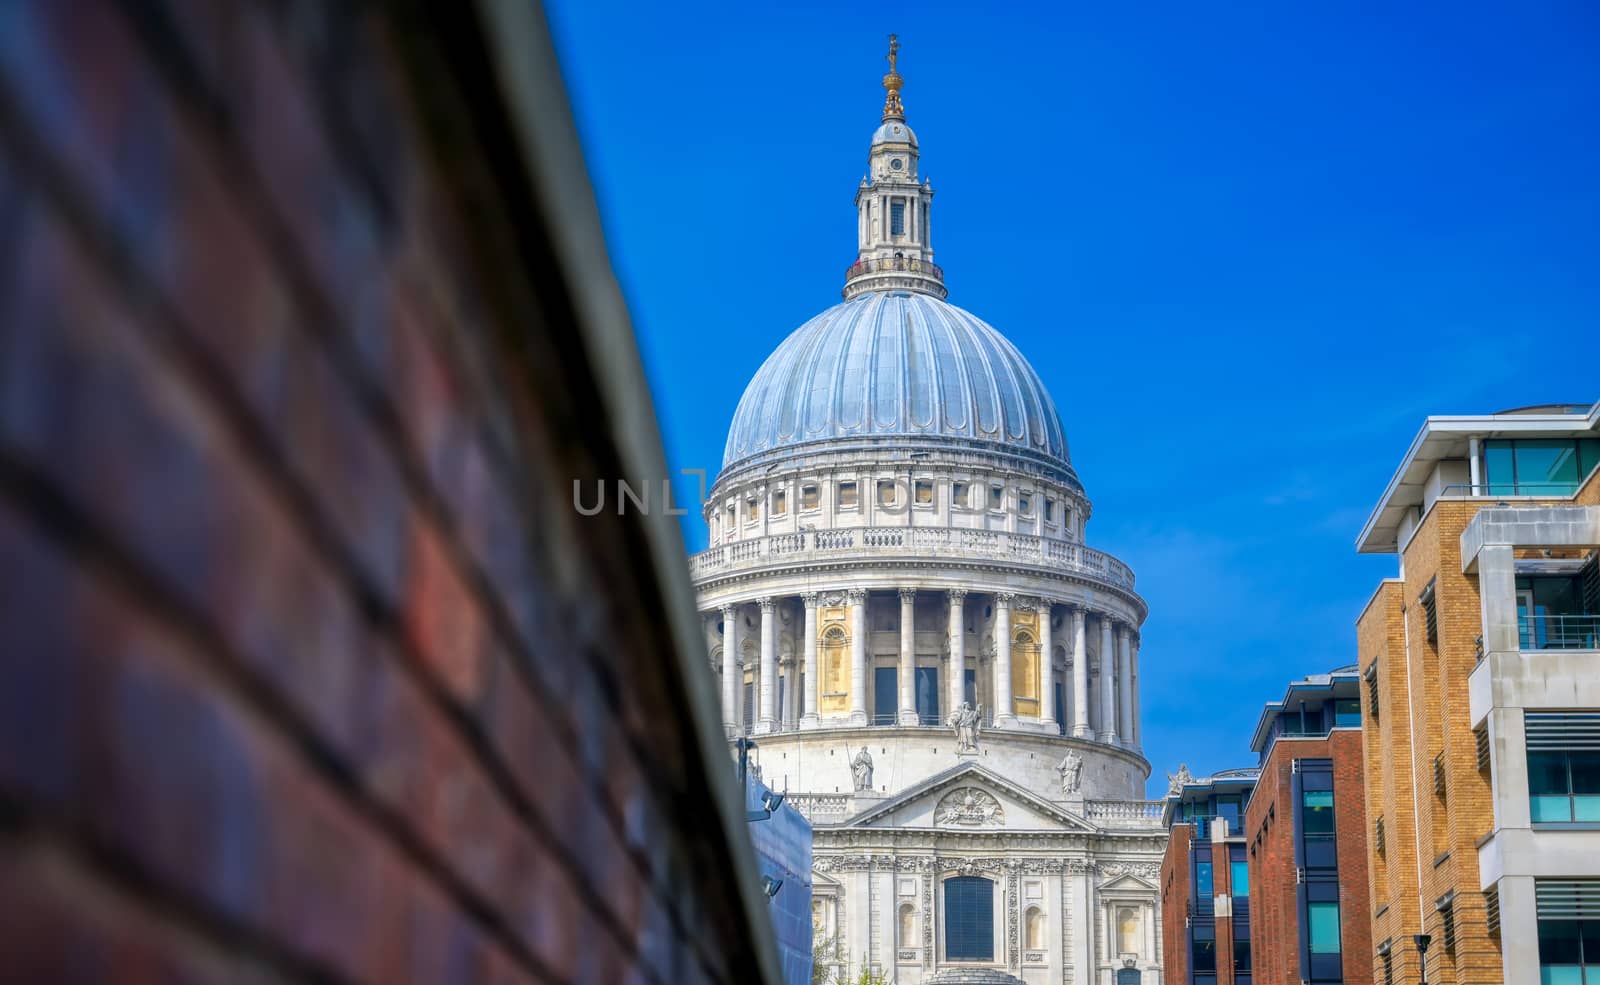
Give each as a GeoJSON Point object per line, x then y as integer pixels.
{"type": "Point", "coordinates": [1228, 808]}
{"type": "Point", "coordinates": [958, 495]}
{"type": "Point", "coordinates": [969, 687]}
{"type": "Point", "coordinates": [969, 919]}
{"type": "Point", "coordinates": [1318, 811]}
{"type": "Point", "coordinates": [1561, 952]}
{"type": "Point", "coordinates": [1202, 880]}
{"type": "Point", "coordinates": [1347, 713]}
{"type": "Point", "coordinates": [885, 492]}
{"type": "Point", "coordinates": [897, 217]}
{"type": "Point", "coordinates": [1239, 878]}
{"type": "Point", "coordinates": [1546, 467]}
{"type": "Point", "coordinates": [1241, 956]}
{"type": "Point", "coordinates": [1323, 921]}
{"type": "Point", "coordinates": [1499, 471]}
{"type": "Point", "coordinates": [780, 502]}
{"type": "Point", "coordinates": [1564, 786]}
{"type": "Point", "coordinates": [1049, 511]}
{"type": "Point", "coordinates": [1205, 957]}
{"type": "Point", "coordinates": [927, 682]}
{"type": "Point", "coordinates": [885, 695]}
{"type": "Point", "coordinates": [751, 509]}
{"type": "Point", "coordinates": [1024, 504]}
{"type": "Point", "coordinates": [810, 497]}
{"type": "Point", "coordinates": [924, 492]}
{"type": "Point", "coordinates": [997, 497]}
{"type": "Point", "coordinates": [847, 494]}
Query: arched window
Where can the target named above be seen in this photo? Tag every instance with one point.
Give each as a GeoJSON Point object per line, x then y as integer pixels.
{"type": "Point", "coordinates": [1128, 931]}
{"type": "Point", "coordinates": [1033, 936]}
{"type": "Point", "coordinates": [969, 919]}
{"type": "Point", "coordinates": [908, 925]}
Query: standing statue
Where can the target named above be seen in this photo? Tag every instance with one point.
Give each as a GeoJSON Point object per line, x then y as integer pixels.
{"type": "Point", "coordinates": [1071, 770]}
{"type": "Point", "coordinates": [1176, 781]}
{"type": "Point", "coordinates": [861, 770]}
{"type": "Point", "coordinates": [968, 722]}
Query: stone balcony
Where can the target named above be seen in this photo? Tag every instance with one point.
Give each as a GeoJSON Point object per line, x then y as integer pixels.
{"type": "Point", "coordinates": [911, 543]}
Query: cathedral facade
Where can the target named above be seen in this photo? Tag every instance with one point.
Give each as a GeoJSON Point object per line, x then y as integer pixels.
{"type": "Point", "coordinates": [906, 618]}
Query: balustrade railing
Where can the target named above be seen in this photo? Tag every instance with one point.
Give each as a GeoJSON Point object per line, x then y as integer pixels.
{"type": "Point", "coordinates": [883, 265]}
{"type": "Point", "coordinates": [1559, 632]}
{"type": "Point", "coordinates": [1138, 810]}
{"type": "Point", "coordinates": [815, 806]}
{"type": "Point", "coordinates": [924, 541]}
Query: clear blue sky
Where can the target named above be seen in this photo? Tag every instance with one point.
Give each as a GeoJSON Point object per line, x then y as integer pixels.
{"type": "Point", "coordinates": [1271, 238]}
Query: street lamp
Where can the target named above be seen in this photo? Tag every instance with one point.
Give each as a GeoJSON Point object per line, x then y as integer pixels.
{"type": "Point", "coordinates": [1422, 941]}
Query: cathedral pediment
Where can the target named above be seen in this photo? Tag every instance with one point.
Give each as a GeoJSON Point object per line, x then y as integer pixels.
{"type": "Point", "coordinates": [968, 797]}
{"type": "Point", "coordinates": [1127, 882]}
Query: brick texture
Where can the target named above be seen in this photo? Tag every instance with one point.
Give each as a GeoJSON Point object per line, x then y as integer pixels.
{"type": "Point", "coordinates": [1269, 832]}
{"type": "Point", "coordinates": [304, 675]}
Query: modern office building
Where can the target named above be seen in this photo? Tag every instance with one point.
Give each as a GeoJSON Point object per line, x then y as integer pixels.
{"type": "Point", "coordinates": [1205, 881]}
{"type": "Point", "coordinates": [900, 603]}
{"type": "Point", "coordinates": [1481, 670]}
{"type": "Point", "coordinates": [1305, 833]}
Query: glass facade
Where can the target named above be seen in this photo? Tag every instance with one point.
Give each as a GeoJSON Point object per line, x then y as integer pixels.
{"type": "Point", "coordinates": [1239, 878]}
{"type": "Point", "coordinates": [885, 695]}
{"type": "Point", "coordinates": [1203, 881]}
{"type": "Point", "coordinates": [1347, 713]}
{"type": "Point", "coordinates": [1564, 786]}
{"type": "Point", "coordinates": [1538, 466]}
{"type": "Point", "coordinates": [928, 695]}
{"type": "Point", "coordinates": [1322, 921]}
{"type": "Point", "coordinates": [897, 218]}
{"type": "Point", "coordinates": [1569, 952]}
{"type": "Point", "coordinates": [1318, 812]}
{"type": "Point", "coordinates": [969, 919]}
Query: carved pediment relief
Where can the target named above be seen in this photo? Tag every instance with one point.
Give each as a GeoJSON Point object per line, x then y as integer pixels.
{"type": "Point", "coordinates": [969, 807]}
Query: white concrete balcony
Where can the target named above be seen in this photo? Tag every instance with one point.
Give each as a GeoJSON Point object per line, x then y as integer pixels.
{"type": "Point", "coordinates": [911, 543]}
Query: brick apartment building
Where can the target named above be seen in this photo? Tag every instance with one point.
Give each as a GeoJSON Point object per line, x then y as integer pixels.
{"type": "Point", "coordinates": [1205, 884]}
{"type": "Point", "coordinates": [1305, 835]}
{"type": "Point", "coordinates": [1479, 662]}
{"type": "Point", "coordinates": [306, 674]}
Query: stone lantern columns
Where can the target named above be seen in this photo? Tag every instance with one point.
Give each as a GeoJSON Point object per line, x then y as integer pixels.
{"type": "Point", "coordinates": [730, 668]}
{"type": "Point", "coordinates": [1125, 683]}
{"type": "Point", "coordinates": [1003, 716]}
{"type": "Point", "coordinates": [958, 649]}
{"type": "Point", "coordinates": [858, 656]}
{"type": "Point", "coordinates": [1108, 706]}
{"type": "Point", "coordinates": [808, 718]}
{"type": "Point", "coordinates": [769, 667]}
{"type": "Point", "coordinates": [1047, 688]}
{"type": "Point", "coordinates": [1080, 675]}
{"type": "Point", "coordinates": [908, 657]}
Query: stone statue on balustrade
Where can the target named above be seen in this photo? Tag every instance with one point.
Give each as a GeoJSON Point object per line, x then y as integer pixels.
{"type": "Point", "coordinates": [861, 771]}
{"type": "Point", "coordinates": [968, 723]}
{"type": "Point", "coordinates": [1177, 781]}
{"type": "Point", "coordinates": [1071, 770]}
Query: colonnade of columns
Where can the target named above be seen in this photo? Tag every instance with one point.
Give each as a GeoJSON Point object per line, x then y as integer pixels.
{"type": "Point", "coordinates": [1112, 707]}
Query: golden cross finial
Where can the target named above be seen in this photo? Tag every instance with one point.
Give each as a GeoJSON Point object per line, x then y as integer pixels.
{"type": "Point", "coordinates": [892, 108]}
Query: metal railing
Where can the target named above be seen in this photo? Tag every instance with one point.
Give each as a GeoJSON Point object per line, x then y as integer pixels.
{"type": "Point", "coordinates": [881, 265]}
{"type": "Point", "coordinates": [1559, 632]}
{"type": "Point", "coordinates": [1546, 490]}
{"type": "Point", "coordinates": [922, 542]}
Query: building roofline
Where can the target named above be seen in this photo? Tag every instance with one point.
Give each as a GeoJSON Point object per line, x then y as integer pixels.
{"type": "Point", "coordinates": [1350, 673]}
{"type": "Point", "coordinates": [1505, 423]}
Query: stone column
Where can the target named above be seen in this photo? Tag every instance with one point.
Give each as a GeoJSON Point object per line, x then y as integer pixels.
{"type": "Point", "coordinates": [1125, 683]}
{"type": "Point", "coordinates": [1003, 717]}
{"type": "Point", "coordinates": [956, 684]}
{"type": "Point", "coordinates": [730, 668]}
{"type": "Point", "coordinates": [858, 656]}
{"type": "Point", "coordinates": [1108, 666]}
{"type": "Point", "coordinates": [1133, 653]}
{"type": "Point", "coordinates": [1080, 674]}
{"type": "Point", "coordinates": [769, 668]}
{"type": "Point", "coordinates": [908, 656]}
{"type": "Point", "coordinates": [813, 685]}
{"type": "Point", "coordinates": [1047, 689]}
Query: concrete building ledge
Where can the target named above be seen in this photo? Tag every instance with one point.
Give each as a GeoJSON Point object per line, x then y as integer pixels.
{"type": "Point", "coordinates": [1529, 526]}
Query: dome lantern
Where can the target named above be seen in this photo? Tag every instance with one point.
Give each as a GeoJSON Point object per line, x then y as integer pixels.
{"type": "Point", "coordinates": [894, 247]}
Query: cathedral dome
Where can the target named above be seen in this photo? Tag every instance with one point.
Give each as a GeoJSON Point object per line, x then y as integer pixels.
{"type": "Point", "coordinates": [898, 368]}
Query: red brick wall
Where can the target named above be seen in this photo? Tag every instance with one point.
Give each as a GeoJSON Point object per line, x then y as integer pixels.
{"type": "Point", "coordinates": [305, 672]}
{"type": "Point", "coordinates": [1175, 889]}
{"type": "Point", "coordinates": [1269, 831]}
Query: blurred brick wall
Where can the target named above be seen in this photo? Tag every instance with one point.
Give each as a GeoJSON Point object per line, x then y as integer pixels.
{"type": "Point", "coordinates": [307, 673]}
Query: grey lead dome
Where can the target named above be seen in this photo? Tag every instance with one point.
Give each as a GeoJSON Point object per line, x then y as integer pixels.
{"type": "Point", "coordinates": [886, 366]}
